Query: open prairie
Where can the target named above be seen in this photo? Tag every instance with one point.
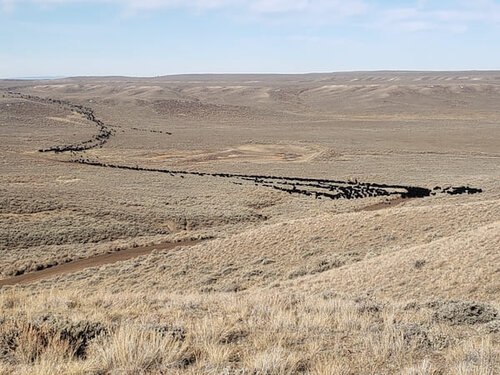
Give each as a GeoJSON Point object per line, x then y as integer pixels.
{"type": "Point", "coordinates": [343, 223]}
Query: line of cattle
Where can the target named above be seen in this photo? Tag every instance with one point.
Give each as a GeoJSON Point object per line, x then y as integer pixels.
{"type": "Point", "coordinates": [324, 188]}
{"type": "Point", "coordinates": [152, 131]}
{"type": "Point", "coordinates": [97, 140]}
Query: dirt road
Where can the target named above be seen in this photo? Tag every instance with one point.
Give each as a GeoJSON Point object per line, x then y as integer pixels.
{"type": "Point", "coordinates": [95, 261]}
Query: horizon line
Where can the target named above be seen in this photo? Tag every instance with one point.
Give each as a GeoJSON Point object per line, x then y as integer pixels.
{"type": "Point", "coordinates": [56, 77]}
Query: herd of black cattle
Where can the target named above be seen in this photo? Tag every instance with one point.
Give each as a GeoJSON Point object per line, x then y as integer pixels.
{"type": "Point", "coordinates": [97, 140]}
{"type": "Point", "coordinates": [152, 131]}
{"type": "Point", "coordinates": [313, 187]}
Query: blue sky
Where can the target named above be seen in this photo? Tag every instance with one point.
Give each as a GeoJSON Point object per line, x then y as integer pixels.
{"type": "Point", "coordinates": [158, 37]}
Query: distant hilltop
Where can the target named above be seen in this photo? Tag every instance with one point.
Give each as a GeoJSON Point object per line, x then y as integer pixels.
{"type": "Point", "coordinates": [37, 77]}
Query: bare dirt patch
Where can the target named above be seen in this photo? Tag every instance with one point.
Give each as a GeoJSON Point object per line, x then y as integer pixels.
{"type": "Point", "coordinates": [248, 152]}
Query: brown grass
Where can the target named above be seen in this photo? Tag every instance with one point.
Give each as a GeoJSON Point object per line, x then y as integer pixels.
{"type": "Point", "coordinates": [256, 333]}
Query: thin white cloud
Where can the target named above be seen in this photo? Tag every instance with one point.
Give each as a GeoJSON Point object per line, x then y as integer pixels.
{"type": "Point", "coordinates": [352, 7]}
{"type": "Point", "coordinates": [420, 15]}
{"type": "Point", "coordinates": [457, 17]}
{"type": "Point", "coordinates": [278, 6]}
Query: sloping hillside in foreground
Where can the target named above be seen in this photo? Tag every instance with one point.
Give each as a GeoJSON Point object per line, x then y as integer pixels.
{"type": "Point", "coordinates": [360, 293]}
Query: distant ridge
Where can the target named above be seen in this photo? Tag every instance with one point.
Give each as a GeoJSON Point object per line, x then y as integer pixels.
{"type": "Point", "coordinates": [35, 78]}
{"type": "Point", "coordinates": [218, 76]}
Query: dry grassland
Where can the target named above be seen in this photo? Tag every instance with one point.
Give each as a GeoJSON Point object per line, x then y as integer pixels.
{"type": "Point", "coordinates": [285, 280]}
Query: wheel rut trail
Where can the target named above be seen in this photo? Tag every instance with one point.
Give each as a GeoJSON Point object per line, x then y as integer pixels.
{"type": "Point", "coordinates": [95, 261]}
{"type": "Point", "coordinates": [311, 187]}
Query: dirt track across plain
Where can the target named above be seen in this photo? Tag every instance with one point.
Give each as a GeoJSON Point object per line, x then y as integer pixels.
{"type": "Point", "coordinates": [95, 261]}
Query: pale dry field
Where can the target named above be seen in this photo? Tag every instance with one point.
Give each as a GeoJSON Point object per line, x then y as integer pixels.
{"type": "Point", "coordinates": [281, 279]}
